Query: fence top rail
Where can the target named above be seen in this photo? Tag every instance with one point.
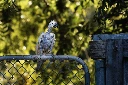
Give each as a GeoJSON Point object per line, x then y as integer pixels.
{"type": "Point", "coordinates": [45, 57]}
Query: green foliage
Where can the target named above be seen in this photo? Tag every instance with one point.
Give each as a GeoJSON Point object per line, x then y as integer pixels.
{"type": "Point", "coordinates": [112, 17]}
{"type": "Point", "coordinates": [22, 21]}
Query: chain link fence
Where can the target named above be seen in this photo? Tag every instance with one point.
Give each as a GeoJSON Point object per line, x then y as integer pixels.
{"type": "Point", "coordinates": [63, 70]}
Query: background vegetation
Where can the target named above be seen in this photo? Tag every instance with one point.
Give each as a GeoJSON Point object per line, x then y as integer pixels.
{"type": "Point", "coordinates": [22, 21]}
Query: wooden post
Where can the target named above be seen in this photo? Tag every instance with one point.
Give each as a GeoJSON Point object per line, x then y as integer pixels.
{"type": "Point", "coordinates": [114, 62]}
{"type": "Point", "coordinates": [110, 52]}
{"type": "Point", "coordinates": [125, 61]}
{"type": "Point", "coordinates": [97, 51]}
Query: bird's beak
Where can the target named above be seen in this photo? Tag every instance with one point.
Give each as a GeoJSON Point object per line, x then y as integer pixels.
{"type": "Point", "coordinates": [55, 26]}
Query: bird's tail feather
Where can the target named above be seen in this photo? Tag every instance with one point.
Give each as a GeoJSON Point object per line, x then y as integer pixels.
{"type": "Point", "coordinates": [39, 64]}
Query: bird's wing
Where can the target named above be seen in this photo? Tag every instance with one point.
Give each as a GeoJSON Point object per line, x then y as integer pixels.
{"type": "Point", "coordinates": [52, 35]}
{"type": "Point", "coordinates": [38, 51]}
{"type": "Point", "coordinates": [45, 43]}
{"type": "Point", "coordinates": [48, 42]}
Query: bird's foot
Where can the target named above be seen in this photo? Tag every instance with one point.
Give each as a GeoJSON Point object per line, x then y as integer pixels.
{"type": "Point", "coordinates": [50, 54]}
{"type": "Point", "coordinates": [52, 59]}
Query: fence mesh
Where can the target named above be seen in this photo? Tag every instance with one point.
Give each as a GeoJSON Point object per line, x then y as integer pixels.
{"type": "Point", "coordinates": [59, 72]}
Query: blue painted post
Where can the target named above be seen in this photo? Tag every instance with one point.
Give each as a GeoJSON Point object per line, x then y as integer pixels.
{"type": "Point", "coordinates": [100, 72]}
{"type": "Point", "coordinates": [125, 61]}
{"type": "Point", "coordinates": [125, 71]}
{"type": "Point", "coordinates": [100, 62]}
{"type": "Point", "coordinates": [110, 52]}
{"type": "Point", "coordinates": [114, 62]}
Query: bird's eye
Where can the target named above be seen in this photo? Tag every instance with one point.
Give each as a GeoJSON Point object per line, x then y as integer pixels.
{"type": "Point", "coordinates": [52, 23]}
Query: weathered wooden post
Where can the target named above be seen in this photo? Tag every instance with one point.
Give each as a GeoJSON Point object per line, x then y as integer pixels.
{"type": "Point", "coordinates": [110, 52]}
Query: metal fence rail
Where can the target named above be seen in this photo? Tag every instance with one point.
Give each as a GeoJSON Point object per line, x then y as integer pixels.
{"type": "Point", "coordinates": [65, 70]}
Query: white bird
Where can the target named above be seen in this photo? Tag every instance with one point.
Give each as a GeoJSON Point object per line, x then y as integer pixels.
{"type": "Point", "coordinates": [45, 42]}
